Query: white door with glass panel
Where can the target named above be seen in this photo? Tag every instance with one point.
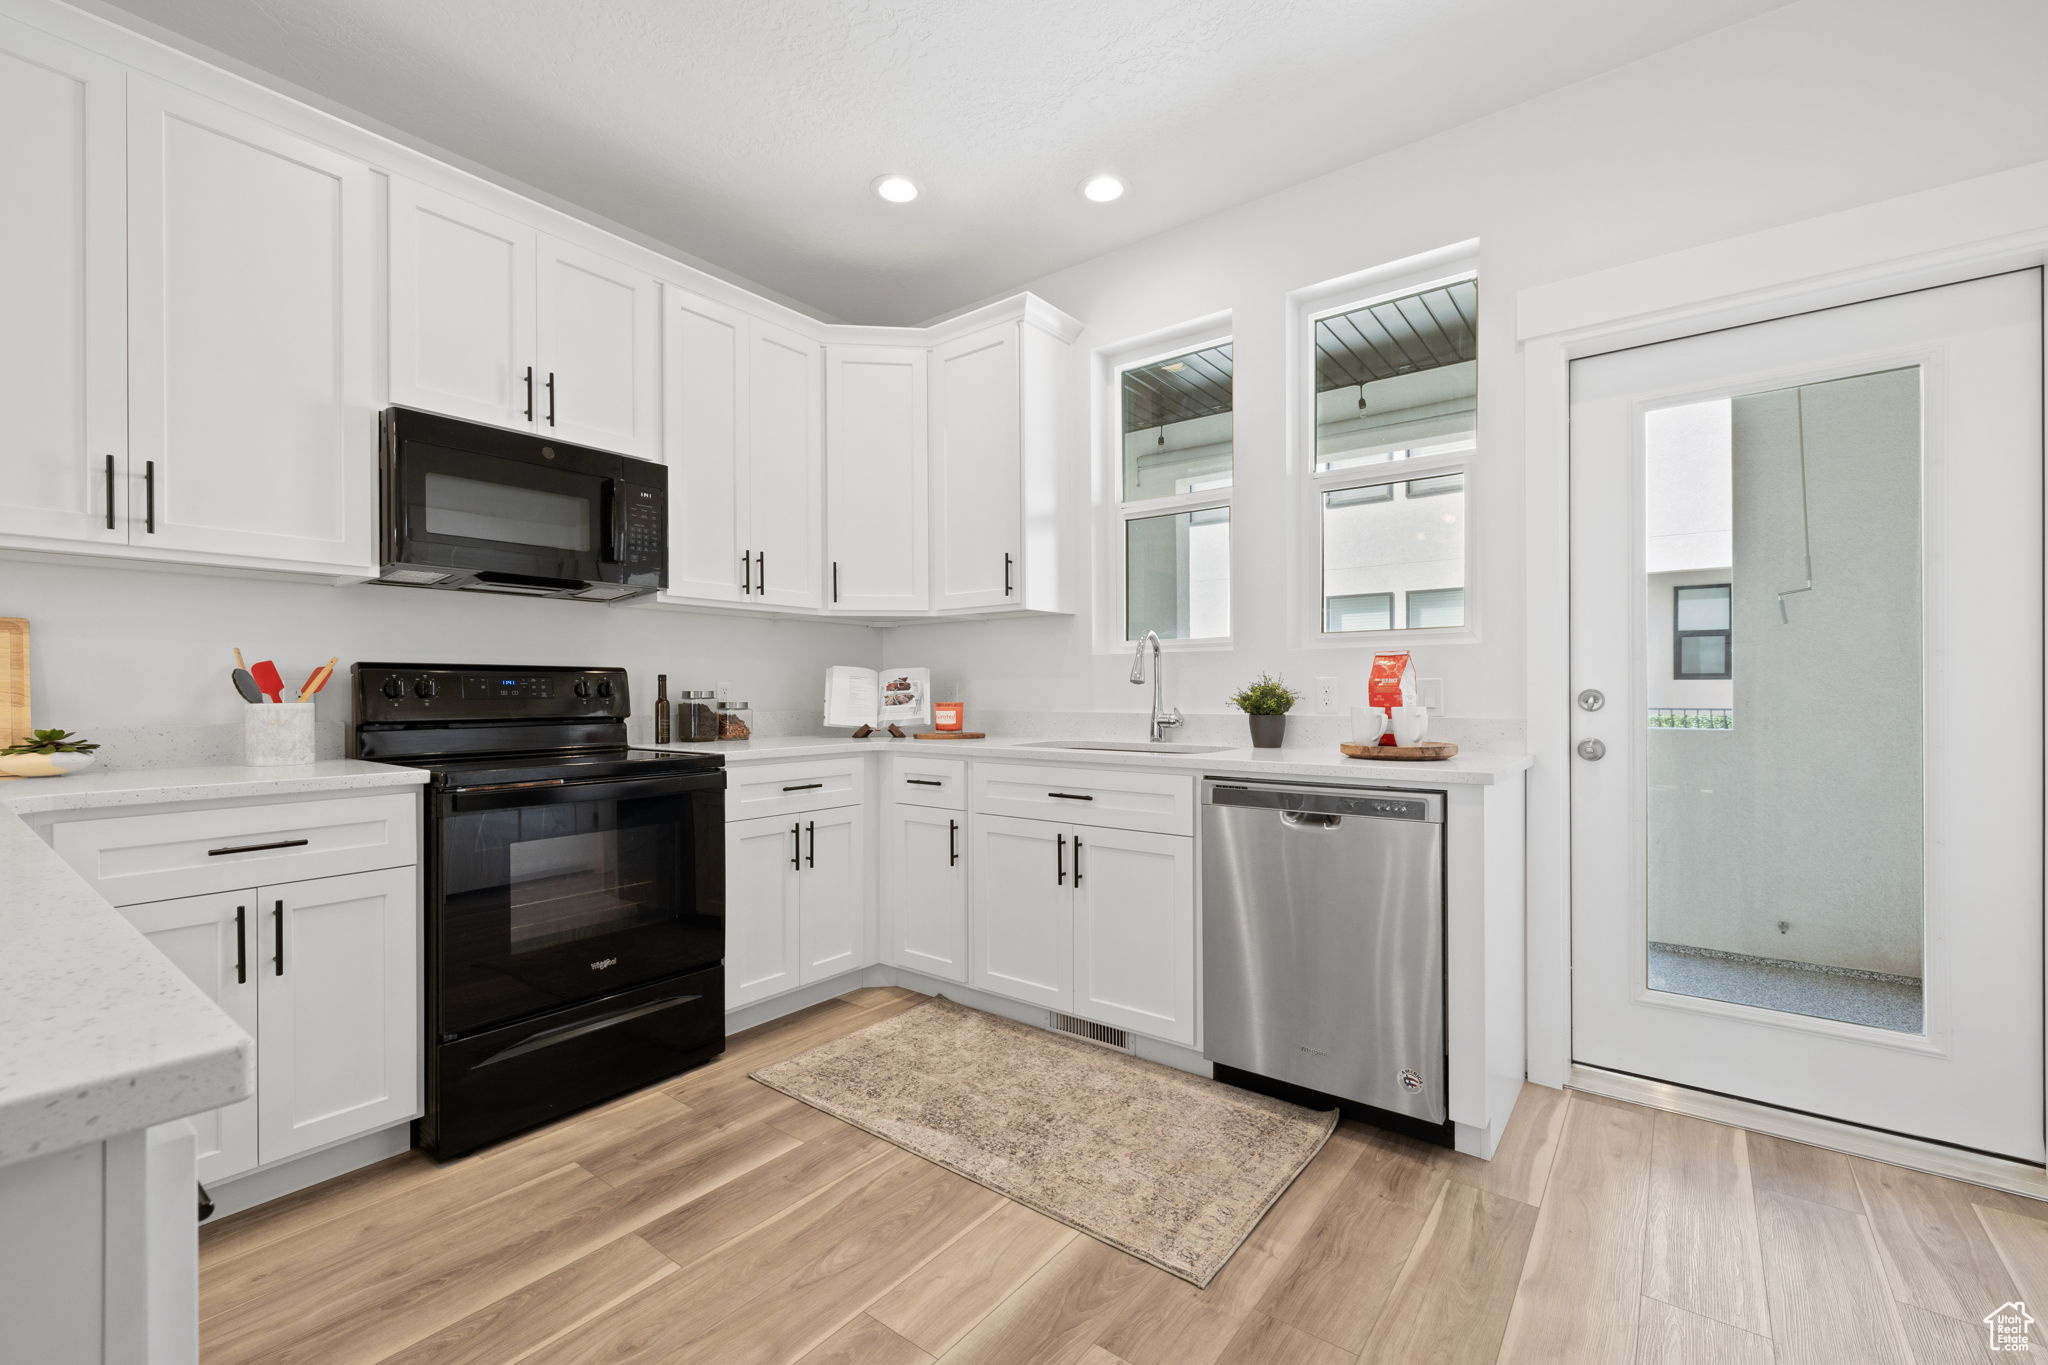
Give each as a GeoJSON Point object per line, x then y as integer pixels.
{"type": "Point", "coordinates": [1807, 669]}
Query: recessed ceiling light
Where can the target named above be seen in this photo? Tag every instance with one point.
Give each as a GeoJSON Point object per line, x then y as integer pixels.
{"type": "Point", "coordinates": [897, 189]}
{"type": "Point", "coordinates": [1101, 189]}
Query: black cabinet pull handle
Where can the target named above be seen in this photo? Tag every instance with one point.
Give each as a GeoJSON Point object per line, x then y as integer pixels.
{"type": "Point", "coordinates": [924, 782]}
{"type": "Point", "coordinates": [1077, 861]}
{"type": "Point", "coordinates": [813, 827]}
{"type": "Point", "coordinates": [804, 787]}
{"type": "Point", "coordinates": [257, 848]}
{"type": "Point", "coordinates": [952, 843]}
{"type": "Point", "coordinates": [1069, 796]}
{"type": "Point", "coordinates": [746, 572]}
{"type": "Point", "coordinates": [241, 945]}
{"type": "Point", "coordinates": [796, 846]}
{"type": "Point", "coordinates": [1062, 855]}
{"type": "Point", "coordinates": [529, 393]}
{"type": "Point", "coordinates": [1007, 589]}
{"type": "Point", "coordinates": [149, 496]}
{"type": "Point", "coordinates": [110, 492]}
{"type": "Point", "coordinates": [279, 912]}
{"type": "Point", "coordinates": [551, 397]}
{"type": "Point", "coordinates": [761, 573]}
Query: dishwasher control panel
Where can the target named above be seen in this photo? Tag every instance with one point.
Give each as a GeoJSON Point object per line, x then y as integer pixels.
{"type": "Point", "coordinates": [1382, 805]}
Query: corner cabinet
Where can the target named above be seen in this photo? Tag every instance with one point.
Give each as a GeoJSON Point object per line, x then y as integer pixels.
{"type": "Point", "coordinates": [875, 491]}
{"type": "Point", "coordinates": [495, 321]}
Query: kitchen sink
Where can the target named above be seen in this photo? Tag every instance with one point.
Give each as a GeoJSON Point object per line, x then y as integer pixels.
{"type": "Point", "coordinates": [1120, 747]}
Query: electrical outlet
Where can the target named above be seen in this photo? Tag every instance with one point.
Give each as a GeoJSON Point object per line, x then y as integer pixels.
{"type": "Point", "coordinates": [723, 691]}
{"type": "Point", "coordinates": [1326, 695]}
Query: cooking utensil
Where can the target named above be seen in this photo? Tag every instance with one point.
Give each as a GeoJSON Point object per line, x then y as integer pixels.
{"type": "Point", "coordinates": [267, 680]}
{"type": "Point", "coordinates": [318, 678]}
{"type": "Point", "coordinates": [245, 684]}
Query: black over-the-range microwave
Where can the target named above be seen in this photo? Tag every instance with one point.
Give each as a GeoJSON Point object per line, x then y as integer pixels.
{"type": "Point", "coordinates": [486, 510]}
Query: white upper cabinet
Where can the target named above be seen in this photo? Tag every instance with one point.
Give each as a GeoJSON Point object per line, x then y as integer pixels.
{"type": "Point", "coordinates": [494, 321]}
{"type": "Point", "coordinates": [875, 482]}
{"type": "Point", "coordinates": [600, 352]}
{"type": "Point", "coordinates": [784, 490]}
{"type": "Point", "coordinates": [462, 311]}
{"type": "Point", "coordinates": [977, 480]}
{"type": "Point", "coordinates": [63, 349]}
{"type": "Point", "coordinates": [704, 370]}
{"type": "Point", "coordinates": [251, 277]}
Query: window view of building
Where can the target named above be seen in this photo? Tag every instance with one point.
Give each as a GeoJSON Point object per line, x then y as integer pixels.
{"type": "Point", "coordinates": [1176, 424]}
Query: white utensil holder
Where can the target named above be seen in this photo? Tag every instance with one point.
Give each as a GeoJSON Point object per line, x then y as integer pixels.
{"type": "Point", "coordinates": [273, 734]}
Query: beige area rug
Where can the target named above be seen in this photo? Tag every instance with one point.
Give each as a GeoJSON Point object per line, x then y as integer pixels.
{"type": "Point", "coordinates": [1175, 1169]}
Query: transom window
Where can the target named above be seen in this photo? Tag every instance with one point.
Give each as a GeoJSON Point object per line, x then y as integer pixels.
{"type": "Point", "coordinates": [1176, 424]}
{"type": "Point", "coordinates": [1396, 419]}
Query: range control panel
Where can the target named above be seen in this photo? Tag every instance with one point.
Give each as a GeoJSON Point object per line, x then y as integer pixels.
{"type": "Point", "coordinates": [441, 692]}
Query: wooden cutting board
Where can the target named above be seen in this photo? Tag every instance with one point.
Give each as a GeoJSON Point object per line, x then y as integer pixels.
{"type": "Point", "coordinates": [13, 681]}
{"type": "Point", "coordinates": [950, 734]}
{"type": "Point", "coordinates": [1405, 753]}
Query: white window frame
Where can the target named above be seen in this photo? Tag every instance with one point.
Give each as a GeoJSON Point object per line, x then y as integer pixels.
{"type": "Point", "coordinates": [1114, 513]}
{"type": "Point", "coordinates": [1305, 308]}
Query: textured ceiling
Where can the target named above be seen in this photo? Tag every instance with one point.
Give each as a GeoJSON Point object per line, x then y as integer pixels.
{"type": "Point", "coordinates": [747, 133]}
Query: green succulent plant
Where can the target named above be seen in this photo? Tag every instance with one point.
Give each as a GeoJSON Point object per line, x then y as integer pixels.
{"type": "Point", "coordinates": [1268, 696]}
{"type": "Point", "coordinates": [49, 742]}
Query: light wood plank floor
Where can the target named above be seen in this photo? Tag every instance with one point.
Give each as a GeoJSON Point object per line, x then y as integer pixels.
{"type": "Point", "coordinates": [713, 1219]}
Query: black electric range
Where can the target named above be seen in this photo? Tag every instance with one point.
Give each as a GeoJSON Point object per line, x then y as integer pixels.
{"type": "Point", "coordinates": [575, 891]}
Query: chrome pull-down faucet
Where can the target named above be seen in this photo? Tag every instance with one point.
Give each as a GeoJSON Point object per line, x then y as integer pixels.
{"type": "Point", "coordinates": [1162, 719]}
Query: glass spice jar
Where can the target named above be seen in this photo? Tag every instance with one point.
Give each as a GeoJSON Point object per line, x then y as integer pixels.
{"type": "Point", "coordinates": [735, 720]}
{"type": "Point", "coordinates": [696, 722]}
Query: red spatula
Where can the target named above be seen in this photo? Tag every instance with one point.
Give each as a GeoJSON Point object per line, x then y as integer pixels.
{"type": "Point", "coordinates": [267, 680]}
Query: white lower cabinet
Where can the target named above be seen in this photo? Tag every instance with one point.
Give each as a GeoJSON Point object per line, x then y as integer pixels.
{"type": "Point", "coordinates": [924, 888]}
{"type": "Point", "coordinates": [796, 901]}
{"type": "Point", "coordinates": [324, 974]}
{"type": "Point", "coordinates": [1092, 921]}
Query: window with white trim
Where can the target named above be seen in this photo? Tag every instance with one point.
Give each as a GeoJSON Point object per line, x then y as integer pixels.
{"type": "Point", "coordinates": [1396, 420]}
{"type": "Point", "coordinates": [1175, 425]}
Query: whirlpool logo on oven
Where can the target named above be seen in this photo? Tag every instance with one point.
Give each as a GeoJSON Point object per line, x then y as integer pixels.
{"type": "Point", "coordinates": [603, 963]}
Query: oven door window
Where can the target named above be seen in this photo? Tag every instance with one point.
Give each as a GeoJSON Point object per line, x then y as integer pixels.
{"type": "Point", "coordinates": [546, 905]}
{"type": "Point", "coordinates": [473, 511]}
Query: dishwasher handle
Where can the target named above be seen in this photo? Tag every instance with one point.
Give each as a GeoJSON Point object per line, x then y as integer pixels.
{"type": "Point", "coordinates": [1296, 802]}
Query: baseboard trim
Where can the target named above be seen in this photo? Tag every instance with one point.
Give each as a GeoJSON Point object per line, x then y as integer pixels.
{"type": "Point", "coordinates": [261, 1186]}
{"type": "Point", "coordinates": [1973, 1168]}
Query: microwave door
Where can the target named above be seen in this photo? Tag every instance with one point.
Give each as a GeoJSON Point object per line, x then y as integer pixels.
{"type": "Point", "coordinates": [518, 526]}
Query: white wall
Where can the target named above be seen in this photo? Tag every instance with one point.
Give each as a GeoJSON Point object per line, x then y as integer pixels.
{"type": "Point", "coordinates": [140, 658]}
{"type": "Point", "coordinates": [1818, 106]}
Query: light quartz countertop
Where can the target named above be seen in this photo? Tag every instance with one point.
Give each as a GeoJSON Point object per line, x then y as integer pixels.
{"type": "Point", "coordinates": [99, 1034]}
{"type": "Point", "coordinates": [1320, 763]}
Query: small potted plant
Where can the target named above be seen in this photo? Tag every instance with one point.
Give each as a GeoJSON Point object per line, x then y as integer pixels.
{"type": "Point", "coordinates": [1266, 703]}
{"type": "Point", "coordinates": [46, 753]}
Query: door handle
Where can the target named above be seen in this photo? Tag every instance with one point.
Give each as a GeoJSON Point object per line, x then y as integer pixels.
{"type": "Point", "coordinates": [761, 573]}
{"type": "Point", "coordinates": [796, 846]}
{"type": "Point", "coordinates": [257, 848]}
{"type": "Point", "coordinates": [813, 827]}
{"type": "Point", "coordinates": [529, 393]}
{"type": "Point", "coordinates": [1069, 796]}
{"type": "Point", "coordinates": [1592, 750]}
{"type": "Point", "coordinates": [279, 912]}
{"type": "Point", "coordinates": [1007, 590]}
{"type": "Point", "coordinates": [804, 787]}
{"type": "Point", "coordinates": [835, 581]}
{"type": "Point", "coordinates": [1077, 862]}
{"type": "Point", "coordinates": [746, 572]}
{"type": "Point", "coordinates": [923, 782]}
{"type": "Point", "coordinates": [149, 496]}
{"type": "Point", "coordinates": [241, 945]}
{"type": "Point", "coordinates": [952, 843]}
{"type": "Point", "coordinates": [1062, 855]}
{"type": "Point", "coordinates": [551, 397]}
{"type": "Point", "coordinates": [110, 492]}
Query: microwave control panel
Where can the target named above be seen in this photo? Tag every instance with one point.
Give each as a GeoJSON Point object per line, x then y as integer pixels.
{"type": "Point", "coordinates": [643, 538]}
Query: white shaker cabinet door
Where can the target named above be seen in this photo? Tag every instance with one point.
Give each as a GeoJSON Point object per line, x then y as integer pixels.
{"type": "Point", "coordinates": [784, 465]}
{"type": "Point", "coordinates": [462, 308]}
{"type": "Point", "coordinates": [600, 352]}
{"type": "Point", "coordinates": [924, 890]}
{"type": "Point", "coordinates": [63, 361]}
{"type": "Point", "coordinates": [1134, 931]}
{"type": "Point", "coordinates": [251, 265]}
{"type": "Point", "coordinates": [762, 858]}
{"type": "Point", "coordinates": [704, 430]}
{"type": "Point", "coordinates": [833, 899]}
{"type": "Point", "coordinates": [877, 546]}
{"type": "Point", "coordinates": [977, 470]}
{"type": "Point", "coordinates": [1022, 921]}
{"type": "Point", "coordinates": [338, 999]}
{"type": "Point", "coordinates": [212, 940]}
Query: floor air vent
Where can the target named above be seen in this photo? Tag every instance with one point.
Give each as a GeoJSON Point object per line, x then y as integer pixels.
{"type": "Point", "coordinates": [1117, 1038]}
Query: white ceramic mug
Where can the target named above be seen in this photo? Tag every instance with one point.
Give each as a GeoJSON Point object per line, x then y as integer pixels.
{"type": "Point", "coordinates": [1411, 723]}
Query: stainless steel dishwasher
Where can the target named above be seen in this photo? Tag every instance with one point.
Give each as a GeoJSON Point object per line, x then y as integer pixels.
{"type": "Point", "coordinates": [1323, 942]}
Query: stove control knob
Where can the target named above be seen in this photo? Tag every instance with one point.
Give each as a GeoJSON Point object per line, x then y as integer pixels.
{"type": "Point", "coordinates": [425, 687]}
{"type": "Point", "coordinates": [583, 688]}
{"type": "Point", "coordinates": [394, 688]}
{"type": "Point", "coordinates": [604, 688]}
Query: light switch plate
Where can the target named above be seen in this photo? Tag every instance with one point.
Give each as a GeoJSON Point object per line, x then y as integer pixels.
{"type": "Point", "coordinates": [1326, 695]}
{"type": "Point", "coordinates": [1433, 693]}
